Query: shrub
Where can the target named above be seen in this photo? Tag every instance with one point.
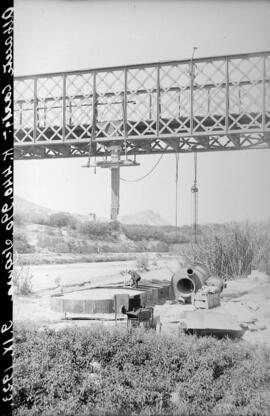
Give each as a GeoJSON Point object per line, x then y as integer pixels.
{"type": "Point", "coordinates": [101, 372]}
{"type": "Point", "coordinates": [22, 281]}
{"type": "Point", "coordinates": [142, 232]}
{"type": "Point", "coordinates": [261, 246]}
{"type": "Point", "coordinates": [142, 262]}
{"type": "Point", "coordinates": [62, 219]}
{"type": "Point", "coordinates": [18, 218]}
{"type": "Point", "coordinates": [228, 252]}
{"type": "Point", "coordinates": [165, 234]}
{"type": "Point", "coordinates": [104, 230]}
{"type": "Point", "coordinates": [21, 244]}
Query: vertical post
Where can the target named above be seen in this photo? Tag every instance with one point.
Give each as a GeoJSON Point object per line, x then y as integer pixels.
{"type": "Point", "coordinates": [115, 308]}
{"type": "Point", "coordinates": [176, 193]}
{"type": "Point", "coordinates": [239, 98]}
{"type": "Point", "coordinates": [20, 114]}
{"type": "Point", "coordinates": [35, 110]}
{"type": "Point", "coordinates": [69, 111]}
{"type": "Point", "coordinates": [179, 104]}
{"type": "Point", "coordinates": [227, 97]}
{"type": "Point", "coordinates": [264, 93]}
{"type": "Point", "coordinates": [195, 190]}
{"type": "Point", "coordinates": [125, 111]}
{"type": "Point", "coordinates": [45, 113]}
{"type": "Point", "coordinates": [150, 106]}
{"type": "Point", "coordinates": [64, 108]}
{"type": "Point", "coordinates": [191, 95]}
{"type": "Point", "coordinates": [115, 187]}
{"type": "Point", "coordinates": [158, 100]}
{"type": "Point", "coordinates": [115, 182]}
{"type": "Point", "coordinates": [94, 118]}
{"type": "Point", "coordinates": [94, 104]}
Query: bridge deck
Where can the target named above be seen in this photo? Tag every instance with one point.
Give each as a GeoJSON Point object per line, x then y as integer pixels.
{"type": "Point", "coordinates": [207, 104]}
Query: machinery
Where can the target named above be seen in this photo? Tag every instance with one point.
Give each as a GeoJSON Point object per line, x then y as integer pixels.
{"type": "Point", "coordinates": [143, 317]}
{"type": "Point", "coordinates": [187, 281]}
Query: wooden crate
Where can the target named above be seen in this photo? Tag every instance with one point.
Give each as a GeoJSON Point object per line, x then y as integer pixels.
{"type": "Point", "coordinates": [206, 300]}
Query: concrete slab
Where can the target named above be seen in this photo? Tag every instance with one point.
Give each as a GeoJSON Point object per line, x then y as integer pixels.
{"type": "Point", "coordinates": [210, 322]}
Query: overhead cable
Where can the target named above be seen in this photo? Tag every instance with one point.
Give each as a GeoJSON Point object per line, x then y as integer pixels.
{"type": "Point", "coordinates": [144, 176]}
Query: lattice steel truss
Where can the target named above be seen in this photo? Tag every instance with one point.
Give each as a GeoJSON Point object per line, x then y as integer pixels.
{"type": "Point", "coordinates": [207, 104]}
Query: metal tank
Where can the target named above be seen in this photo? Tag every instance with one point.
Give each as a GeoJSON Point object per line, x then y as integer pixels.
{"type": "Point", "coordinates": [188, 280]}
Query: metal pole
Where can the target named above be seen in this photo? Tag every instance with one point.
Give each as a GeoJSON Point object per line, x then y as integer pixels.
{"type": "Point", "coordinates": [35, 110]}
{"type": "Point", "coordinates": [176, 194]}
{"type": "Point", "coordinates": [115, 189]}
{"type": "Point", "coordinates": [158, 100]}
{"type": "Point", "coordinates": [195, 190]}
{"type": "Point", "coordinates": [264, 92]}
{"type": "Point", "coordinates": [64, 108]}
{"type": "Point", "coordinates": [125, 111]}
{"type": "Point", "coordinates": [115, 183]}
{"type": "Point", "coordinates": [191, 96]}
{"type": "Point", "coordinates": [94, 117]}
{"type": "Point", "coordinates": [227, 97]}
{"type": "Point", "coordinates": [150, 106]}
{"type": "Point", "coordinates": [192, 76]}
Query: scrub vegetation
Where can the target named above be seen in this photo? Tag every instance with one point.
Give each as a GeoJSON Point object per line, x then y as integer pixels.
{"type": "Point", "coordinates": [118, 372]}
{"type": "Point", "coordinates": [232, 250]}
{"type": "Point", "coordinates": [229, 250]}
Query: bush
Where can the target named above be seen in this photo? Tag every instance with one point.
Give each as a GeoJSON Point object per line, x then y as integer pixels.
{"type": "Point", "coordinates": [118, 372]}
{"type": "Point", "coordinates": [21, 244]}
{"type": "Point", "coordinates": [142, 262]}
{"type": "Point", "coordinates": [165, 234]}
{"type": "Point", "coordinates": [22, 281]}
{"type": "Point", "coordinates": [18, 218]}
{"type": "Point", "coordinates": [62, 219]}
{"type": "Point", "coordinates": [104, 230]}
{"type": "Point", "coordinates": [261, 246]}
{"type": "Point", "coordinates": [228, 252]}
{"type": "Point", "coordinates": [142, 232]}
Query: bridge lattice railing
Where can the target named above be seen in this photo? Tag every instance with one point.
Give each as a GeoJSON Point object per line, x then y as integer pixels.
{"type": "Point", "coordinates": [218, 95]}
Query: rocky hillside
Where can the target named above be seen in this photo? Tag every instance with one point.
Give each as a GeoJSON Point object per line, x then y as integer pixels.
{"type": "Point", "coordinates": [32, 211]}
{"type": "Point", "coordinates": [39, 231]}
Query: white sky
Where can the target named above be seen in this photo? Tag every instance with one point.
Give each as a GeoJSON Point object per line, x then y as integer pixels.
{"type": "Point", "coordinates": [71, 35]}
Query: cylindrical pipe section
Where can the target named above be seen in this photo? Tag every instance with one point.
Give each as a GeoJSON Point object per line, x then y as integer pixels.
{"type": "Point", "coordinates": [189, 280]}
{"type": "Point", "coordinates": [185, 286]}
{"type": "Point", "coordinates": [115, 189]}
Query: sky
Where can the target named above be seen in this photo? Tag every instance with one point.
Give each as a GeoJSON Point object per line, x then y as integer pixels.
{"type": "Point", "coordinates": [67, 35]}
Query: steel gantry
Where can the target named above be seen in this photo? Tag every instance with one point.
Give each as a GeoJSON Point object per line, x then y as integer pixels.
{"type": "Point", "coordinates": [204, 104]}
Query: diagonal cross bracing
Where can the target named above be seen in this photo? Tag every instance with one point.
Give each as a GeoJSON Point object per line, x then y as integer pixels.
{"type": "Point", "coordinates": [209, 104]}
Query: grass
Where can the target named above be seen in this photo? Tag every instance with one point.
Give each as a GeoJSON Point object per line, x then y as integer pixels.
{"type": "Point", "coordinates": [101, 372]}
{"type": "Point", "coordinates": [232, 250]}
{"type": "Point", "coordinates": [229, 250]}
{"type": "Point", "coordinates": [22, 281]}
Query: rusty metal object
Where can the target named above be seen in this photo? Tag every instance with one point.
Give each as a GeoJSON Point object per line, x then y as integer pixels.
{"type": "Point", "coordinates": [141, 317]}
{"type": "Point", "coordinates": [187, 281]}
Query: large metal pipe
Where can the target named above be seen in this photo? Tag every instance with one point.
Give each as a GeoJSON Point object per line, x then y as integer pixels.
{"type": "Point", "coordinates": [189, 280]}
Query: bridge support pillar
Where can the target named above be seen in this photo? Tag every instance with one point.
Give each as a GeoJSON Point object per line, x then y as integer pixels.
{"type": "Point", "coordinates": [115, 182]}
{"type": "Point", "coordinates": [115, 192]}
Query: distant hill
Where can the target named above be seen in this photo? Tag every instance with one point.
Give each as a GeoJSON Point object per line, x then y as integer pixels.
{"type": "Point", "coordinates": [147, 217]}
{"type": "Point", "coordinates": [27, 208]}
{"type": "Point", "coordinates": [30, 210]}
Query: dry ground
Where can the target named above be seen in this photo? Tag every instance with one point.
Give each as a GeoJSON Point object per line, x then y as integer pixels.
{"type": "Point", "coordinates": [247, 299]}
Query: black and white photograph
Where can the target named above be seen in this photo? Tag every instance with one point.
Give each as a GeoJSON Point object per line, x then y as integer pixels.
{"type": "Point", "coordinates": [141, 208]}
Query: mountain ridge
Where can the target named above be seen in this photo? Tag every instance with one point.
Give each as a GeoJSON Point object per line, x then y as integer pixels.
{"type": "Point", "coordinates": [28, 209]}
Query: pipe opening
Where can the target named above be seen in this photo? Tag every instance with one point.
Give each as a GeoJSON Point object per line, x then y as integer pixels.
{"type": "Point", "coordinates": [190, 271]}
{"type": "Point", "coordinates": [185, 286]}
